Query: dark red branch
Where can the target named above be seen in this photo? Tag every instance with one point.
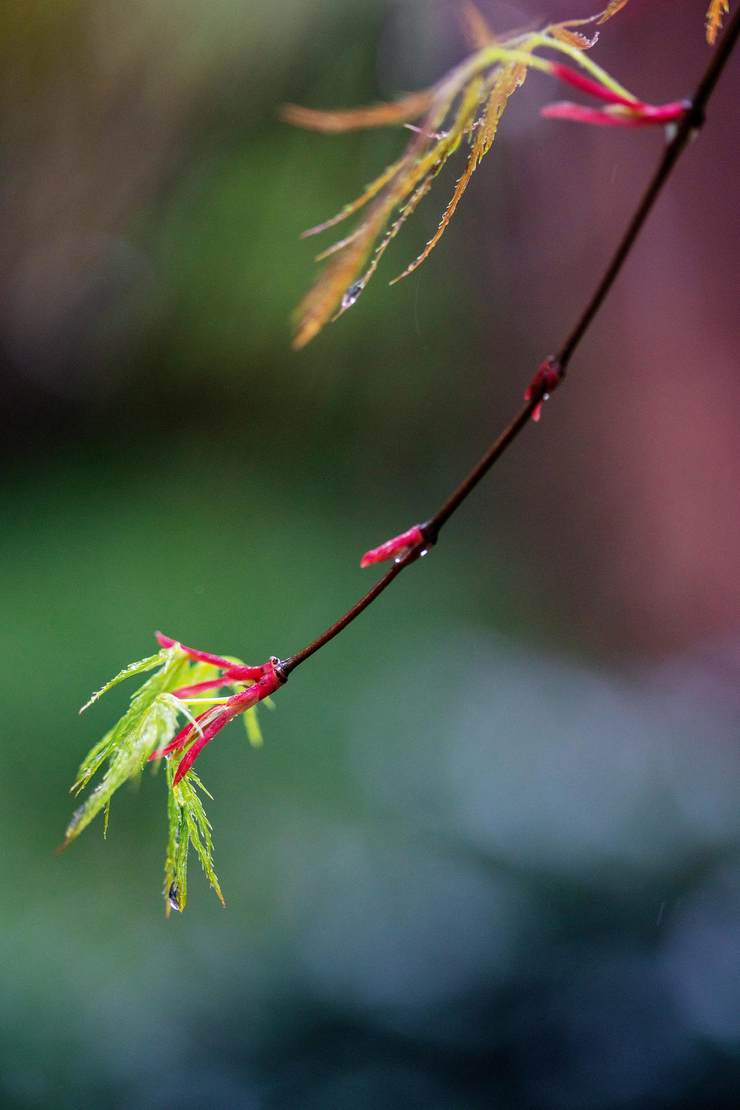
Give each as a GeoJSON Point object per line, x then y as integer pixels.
{"type": "Point", "coordinates": [553, 370]}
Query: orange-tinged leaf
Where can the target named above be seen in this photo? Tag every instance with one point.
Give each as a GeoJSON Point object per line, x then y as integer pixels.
{"type": "Point", "coordinates": [565, 33]}
{"type": "Point", "coordinates": [611, 10]}
{"type": "Point", "coordinates": [338, 246]}
{"type": "Point", "coordinates": [371, 191]}
{"type": "Point", "coordinates": [467, 101]}
{"type": "Point", "coordinates": [339, 284]}
{"type": "Point", "coordinates": [426, 171]}
{"type": "Point", "coordinates": [506, 81]}
{"type": "Point", "coordinates": [318, 305]}
{"type": "Point", "coordinates": [378, 115]}
{"type": "Point", "coordinates": [449, 212]}
{"type": "Point", "coordinates": [407, 210]}
{"type": "Point", "coordinates": [718, 9]}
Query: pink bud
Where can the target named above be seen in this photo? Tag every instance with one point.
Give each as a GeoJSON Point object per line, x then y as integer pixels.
{"type": "Point", "coordinates": [548, 377]}
{"type": "Point", "coordinates": [396, 547]}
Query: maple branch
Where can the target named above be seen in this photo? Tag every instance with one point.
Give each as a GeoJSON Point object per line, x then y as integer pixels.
{"type": "Point", "coordinates": [552, 371]}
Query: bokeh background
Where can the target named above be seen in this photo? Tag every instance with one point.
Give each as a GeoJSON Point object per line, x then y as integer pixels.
{"type": "Point", "coordinates": [490, 853]}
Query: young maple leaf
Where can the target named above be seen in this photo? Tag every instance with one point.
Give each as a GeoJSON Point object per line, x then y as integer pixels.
{"type": "Point", "coordinates": [149, 730]}
{"type": "Point", "coordinates": [465, 106]}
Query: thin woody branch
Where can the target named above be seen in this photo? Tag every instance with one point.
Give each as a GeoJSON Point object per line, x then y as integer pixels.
{"type": "Point", "coordinates": [181, 681]}
{"type": "Point", "coordinates": [552, 372]}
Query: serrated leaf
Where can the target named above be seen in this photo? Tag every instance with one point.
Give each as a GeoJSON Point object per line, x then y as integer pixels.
{"type": "Point", "coordinates": [507, 79]}
{"type": "Point", "coordinates": [195, 825]}
{"type": "Point", "coordinates": [354, 206]}
{"type": "Point", "coordinates": [140, 667]}
{"type": "Point", "coordinates": [565, 33]}
{"type": "Point", "coordinates": [611, 10]}
{"type": "Point", "coordinates": [176, 858]}
{"type": "Point", "coordinates": [339, 284]}
{"type": "Point", "coordinates": [94, 759]}
{"type": "Point", "coordinates": [149, 722]}
{"type": "Point", "coordinates": [716, 12]}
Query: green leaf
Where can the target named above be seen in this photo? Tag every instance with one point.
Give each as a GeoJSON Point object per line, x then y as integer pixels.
{"type": "Point", "coordinates": [188, 825]}
{"type": "Point", "coordinates": [92, 762]}
{"type": "Point", "coordinates": [149, 723]}
{"type": "Point", "coordinates": [178, 844]}
{"type": "Point", "coordinates": [139, 667]}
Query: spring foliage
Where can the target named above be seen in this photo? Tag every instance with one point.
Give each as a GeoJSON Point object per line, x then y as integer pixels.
{"type": "Point", "coordinates": [149, 724]}
{"type": "Point", "coordinates": [464, 108]}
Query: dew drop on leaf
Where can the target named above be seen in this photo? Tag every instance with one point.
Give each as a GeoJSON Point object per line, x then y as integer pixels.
{"type": "Point", "coordinates": [352, 294]}
{"type": "Point", "coordinates": [173, 897]}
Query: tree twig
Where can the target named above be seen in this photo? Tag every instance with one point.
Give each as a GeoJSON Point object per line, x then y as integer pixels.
{"type": "Point", "coordinates": [552, 371]}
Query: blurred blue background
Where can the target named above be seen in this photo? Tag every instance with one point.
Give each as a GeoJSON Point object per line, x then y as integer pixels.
{"type": "Point", "coordinates": [489, 854]}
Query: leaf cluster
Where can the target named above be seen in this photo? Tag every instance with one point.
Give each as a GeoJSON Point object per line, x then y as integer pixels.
{"type": "Point", "coordinates": [464, 107]}
{"type": "Point", "coordinates": [149, 724]}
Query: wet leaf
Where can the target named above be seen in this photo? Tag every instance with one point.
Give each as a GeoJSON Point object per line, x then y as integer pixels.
{"type": "Point", "coordinates": [352, 119]}
{"type": "Point", "coordinates": [716, 12]}
{"type": "Point", "coordinates": [467, 103]}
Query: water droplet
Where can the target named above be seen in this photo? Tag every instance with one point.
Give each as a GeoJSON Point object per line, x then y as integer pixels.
{"type": "Point", "coordinates": [173, 897]}
{"type": "Point", "coordinates": [352, 294]}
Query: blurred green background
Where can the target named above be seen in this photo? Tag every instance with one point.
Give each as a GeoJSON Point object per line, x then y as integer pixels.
{"type": "Point", "coordinates": [489, 853]}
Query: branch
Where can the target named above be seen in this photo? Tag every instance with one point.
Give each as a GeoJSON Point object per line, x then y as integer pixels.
{"type": "Point", "coordinates": [415, 543]}
{"type": "Point", "coordinates": [178, 675]}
